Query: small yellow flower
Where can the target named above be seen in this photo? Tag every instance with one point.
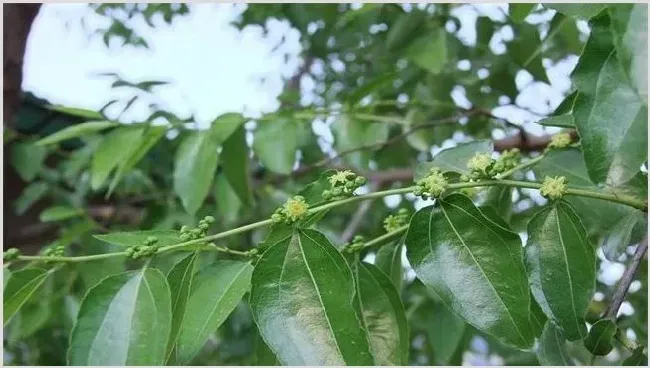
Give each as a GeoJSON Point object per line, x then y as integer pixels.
{"type": "Point", "coordinates": [340, 177]}
{"type": "Point", "coordinates": [554, 188]}
{"type": "Point", "coordinates": [434, 183]}
{"type": "Point", "coordinates": [295, 208]}
{"type": "Point", "coordinates": [560, 140]}
{"type": "Point", "coordinates": [480, 162]}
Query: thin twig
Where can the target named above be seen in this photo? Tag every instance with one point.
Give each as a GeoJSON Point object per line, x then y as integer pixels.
{"type": "Point", "coordinates": [626, 280]}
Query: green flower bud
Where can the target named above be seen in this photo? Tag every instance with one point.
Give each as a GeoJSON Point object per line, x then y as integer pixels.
{"type": "Point", "coordinates": [434, 184]}
{"type": "Point", "coordinates": [554, 188]}
{"type": "Point", "coordinates": [560, 140]}
{"type": "Point", "coordinates": [340, 177]}
{"type": "Point", "coordinates": [185, 229]}
{"type": "Point", "coordinates": [209, 219]}
{"type": "Point", "coordinates": [359, 181]}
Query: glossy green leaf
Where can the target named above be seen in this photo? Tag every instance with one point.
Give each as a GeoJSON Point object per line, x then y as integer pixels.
{"type": "Point", "coordinates": [216, 292]}
{"type": "Point", "coordinates": [275, 144]}
{"type": "Point", "coordinates": [389, 260]}
{"type": "Point", "coordinates": [124, 320]}
{"type": "Point", "coordinates": [599, 340]}
{"type": "Point", "coordinates": [302, 300]}
{"type": "Point", "coordinates": [382, 315]}
{"type": "Point", "coordinates": [583, 10]}
{"type": "Point", "coordinates": [452, 248]}
{"type": "Point", "coordinates": [613, 152]}
{"type": "Point", "coordinates": [19, 288]}
{"type": "Point", "coordinates": [131, 238]}
{"type": "Point", "coordinates": [525, 51]}
{"type": "Point", "coordinates": [562, 267]}
{"type": "Point", "coordinates": [454, 159]}
{"type": "Point", "coordinates": [636, 359]}
{"type": "Point", "coordinates": [351, 134]}
{"type": "Point", "coordinates": [429, 51]}
{"type": "Point", "coordinates": [181, 280]}
{"type": "Point", "coordinates": [76, 131]}
{"type": "Point", "coordinates": [552, 349]}
{"type": "Point", "coordinates": [630, 29]}
{"type": "Point", "coordinates": [30, 195]}
{"type": "Point", "coordinates": [27, 158]}
{"type": "Point", "coordinates": [113, 149]}
{"type": "Point", "coordinates": [445, 331]}
{"type": "Point", "coordinates": [519, 11]}
{"type": "Point", "coordinates": [619, 236]}
{"type": "Point", "coordinates": [195, 165]}
{"type": "Point", "coordinates": [75, 111]}
{"type": "Point", "coordinates": [262, 355]}
{"type": "Point", "coordinates": [225, 125]}
{"type": "Point", "coordinates": [58, 213]}
{"type": "Point", "coordinates": [150, 138]}
{"type": "Point", "coordinates": [235, 163]}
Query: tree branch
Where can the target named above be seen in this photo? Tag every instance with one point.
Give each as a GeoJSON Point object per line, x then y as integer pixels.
{"type": "Point", "coordinates": [626, 280]}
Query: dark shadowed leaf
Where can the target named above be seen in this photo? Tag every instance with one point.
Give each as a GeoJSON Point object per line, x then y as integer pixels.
{"type": "Point", "coordinates": [181, 281]}
{"type": "Point", "coordinates": [525, 51]}
{"type": "Point", "coordinates": [445, 332]}
{"type": "Point", "coordinates": [519, 12]}
{"type": "Point", "coordinates": [216, 292]}
{"type": "Point", "coordinates": [451, 246]}
{"type": "Point", "coordinates": [124, 320]}
{"type": "Point", "coordinates": [599, 340]}
{"type": "Point", "coordinates": [389, 260]}
{"type": "Point", "coordinates": [562, 267]}
{"type": "Point", "coordinates": [275, 144]}
{"type": "Point", "coordinates": [562, 116]}
{"type": "Point", "coordinates": [225, 125]}
{"type": "Point", "coordinates": [636, 359]}
{"type": "Point", "coordinates": [262, 355]}
{"type": "Point", "coordinates": [27, 158]}
{"type": "Point", "coordinates": [235, 163]}
{"type": "Point", "coordinates": [302, 300]}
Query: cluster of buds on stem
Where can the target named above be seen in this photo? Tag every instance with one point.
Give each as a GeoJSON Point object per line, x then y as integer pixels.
{"type": "Point", "coordinates": [198, 232]}
{"type": "Point", "coordinates": [10, 254]}
{"type": "Point", "coordinates": [357, 243]}
{"type": "Point", "coordinates": [554, 188]}
{"type": "Point", "coordinates": [293, 210]}
{"type": "Point", "coordinates": [55, 251]}
{"type": "Point", "coordinates": [147, 249]}
{"type": "Point", "coordinates": [432, 185]}
{"type": "Point", "coordinates": [394, 222]}
{"type": "Point", "coordinates": [342, 185]}
{"type": "Point", "coordinates": [483, 166]}
{"type": "Point", "coordinates": [560, 140]}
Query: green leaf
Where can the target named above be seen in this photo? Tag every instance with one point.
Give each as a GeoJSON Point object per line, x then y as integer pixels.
{"type": "Point", "coordinates": [562, 116]}
{"type": "Point", "coordinates": [30, 195]}
{"type": "Point", "coordinates": [262, 355]}
{"type": "Point", "coordinates": [124, 320]}
{"type": "Point", "coordinates": [637, 358]}
{"type": "Point", "coordinates": [454, 159]}
{"type": "Point", "coordinates": [235, 163]}
{"type": "Point", "coordinates": [75, 111]}
{"type": "Point", "coordinates": [429, 51]}
{"type": "Point", "coordinates": [619, 236]}
{"type": "Point", "coordinates": [404, 29]}
{"type": "Point", "coordinates": [525, 51]}
{"type": "Point", "coordinates": [375, 85]}
{"type": "Point", "coordinates": [19, 288]}
{"type": "Point", "coordinates": [131, 238]}
{"type": "Point", "coordinates": [389, 260]}
{"type": "Point", "coordinates": [382, 315]}
{"type": "Point", "coordinates": [630, 29]}
{"type": "Point", "coordinates": [452, 248]}
{"type": "Point", "coordinates": [552, 349]}
{"type": "Point", "coordinates": [228, 203]}
{"type": "Point", "coordinates": [151, 137]}
{"type": "Point", "coordinates": [599, 340]}
{"type": "Point", "coordinates": [181, 280]}
{"type": "Point", "coordinates": [225, 125]}
{"type": "Point", "coordinates": [583, 10]}
{"type": "Point", "coordinates": [445, 332]}
{"type": "Point", "coordinates": [76, 131]}
{"type": "Point", "coordinates": [27, 158]}
{"type": "Point", "coordinates": [58, 213]}
{"type": "Point", "coordinates": [562, 267]}
{"type": "Point", "coordinates": [302, 300]}
{"type": "Point", "coordinates": [275, 143]}
{"type": "Point", "coordinates": [195, 165]}
{"type": "Point", "coordinates": [613, 152]}
{"type": "Point", "coordinates": [500, 199]}
{"type": "Point", "coordinates": [113, 149]}
{"type": "Point", "coordinates": [519, 12]}
{"type": "Point", "coordinates": [215, 294]}
{"type": "Point", "coordinates": [351, 134]}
